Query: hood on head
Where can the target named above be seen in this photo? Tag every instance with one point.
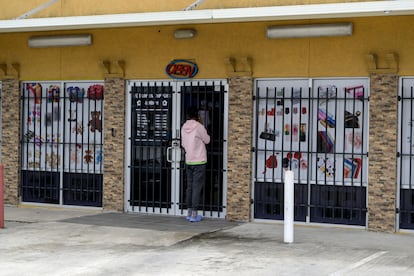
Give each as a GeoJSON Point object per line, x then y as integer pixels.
{"type": "Point", "coordinates": [190, 126]}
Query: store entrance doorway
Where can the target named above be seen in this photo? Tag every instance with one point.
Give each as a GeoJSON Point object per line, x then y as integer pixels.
{"type": "Point", "coordinates": [156, 181]}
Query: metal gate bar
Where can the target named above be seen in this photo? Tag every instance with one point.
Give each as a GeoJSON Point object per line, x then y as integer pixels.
{"type": "Point", "coordinates": [208, 98]}
{"type": "Point", "coordinates": [158, 180]}
{"type": "Point", "coordinates": [151, 135]}
{"type": "Point", "coordinates": [62, 143]}
{"type": "Point", "coordinates": [406, 158]}
{"type": "Point", "coordinates": [342, 203]}
{"type": "Point", "coordinates": [40, 180]}
{"type": "Point", "coordinates": [330, 187]}
{"type": "Point", "coordinates": [269, 196]}
{"type": "Point", "coordinates": [82, 179]}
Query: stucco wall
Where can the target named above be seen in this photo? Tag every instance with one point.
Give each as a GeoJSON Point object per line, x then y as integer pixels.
{"type": "Point", "coordinates": [148, 50]}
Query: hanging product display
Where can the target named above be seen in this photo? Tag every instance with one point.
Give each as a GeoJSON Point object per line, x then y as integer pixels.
{"type": "Point", "coordinates": [62, 145]}
{"type": "Point", "coordinates": [322, 130]}
{"type": "Point", "coordinates": [282, 126]}
{"type": "Point", "coordinates": [56, 126]}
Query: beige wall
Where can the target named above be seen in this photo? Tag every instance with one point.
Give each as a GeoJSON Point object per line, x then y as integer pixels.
{"type": "Point", "coordinates": [15, 8]}
{"type": "Point", "coordinates": [147, 50]}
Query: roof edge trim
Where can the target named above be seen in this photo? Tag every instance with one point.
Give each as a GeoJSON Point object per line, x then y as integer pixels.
{"type": "Point", "coordinates": [292, 12]}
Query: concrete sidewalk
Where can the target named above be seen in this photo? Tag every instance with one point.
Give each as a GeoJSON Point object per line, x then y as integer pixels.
{"type": "Point", "coordinates": [45, 241]}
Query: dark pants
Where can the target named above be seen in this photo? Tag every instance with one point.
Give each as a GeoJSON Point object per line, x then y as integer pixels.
{"type": "Point", "coordinates": [196, 175]}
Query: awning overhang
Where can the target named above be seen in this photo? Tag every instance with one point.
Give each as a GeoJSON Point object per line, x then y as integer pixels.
{"type": "Point", "coordinates": [274, 13]}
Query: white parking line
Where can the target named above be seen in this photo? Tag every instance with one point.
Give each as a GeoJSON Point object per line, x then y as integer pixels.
{"type": "Point", "coordinates": [358, 264]}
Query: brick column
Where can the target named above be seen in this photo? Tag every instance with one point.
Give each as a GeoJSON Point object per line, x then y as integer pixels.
{"type": "Point", "coordinates": [114, 144]}
{"type": "Point", "coordinates": [10, 139]}
{"type": "Point", "coordinates": [383, 152]}
{"type": "Point", "coordinates": [239, 175]}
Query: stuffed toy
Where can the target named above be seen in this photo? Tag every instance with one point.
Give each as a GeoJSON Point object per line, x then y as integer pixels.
{"type": "Point", "coordinates": [95, 123]}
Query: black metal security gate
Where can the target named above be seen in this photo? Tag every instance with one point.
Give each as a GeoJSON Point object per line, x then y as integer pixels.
{"type": "Point", "coordinates": [406, 154]}
{"type": "Point", "coordinates": [157, 181]}
{"type": "Point", "coordinates": [318, 129]}
{"type": "Point", "coordinates": [62, 143]}
{"type": "Point", "coordinates": [151, 135]}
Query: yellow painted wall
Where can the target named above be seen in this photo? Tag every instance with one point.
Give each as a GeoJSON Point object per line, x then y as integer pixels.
{"type": "Point", "coordinates": [12, 9]}
{"type": "Point", "coordinates": [147, 50]}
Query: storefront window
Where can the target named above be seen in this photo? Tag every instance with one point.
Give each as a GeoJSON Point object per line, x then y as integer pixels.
{"type": "Point", "coordinates": [318, 129]}
{"type": "Point", "coordinates": [62, 144]}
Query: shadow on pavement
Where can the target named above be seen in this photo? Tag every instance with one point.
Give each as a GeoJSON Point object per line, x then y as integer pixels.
{"type": "Point", "coordinates": [153, 222]}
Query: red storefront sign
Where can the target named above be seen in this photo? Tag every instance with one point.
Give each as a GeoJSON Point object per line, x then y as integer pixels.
{"type": "Point", "coordinates": [181, 69]}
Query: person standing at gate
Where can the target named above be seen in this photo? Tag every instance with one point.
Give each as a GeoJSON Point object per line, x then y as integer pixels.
{"type": "Point", "coordinates": [194, 138]}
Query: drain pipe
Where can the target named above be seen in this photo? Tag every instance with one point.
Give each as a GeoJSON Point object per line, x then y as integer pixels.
{"type": "Point", "coordinates": [194, 5]}
{"type": "Point", "coordinates": [41, 7]}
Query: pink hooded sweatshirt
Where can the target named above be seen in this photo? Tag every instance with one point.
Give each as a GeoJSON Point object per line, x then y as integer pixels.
{"type": "Point", "coordinates": [193, 139]}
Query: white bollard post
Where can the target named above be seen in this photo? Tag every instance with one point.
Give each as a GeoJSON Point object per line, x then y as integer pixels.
{"type": "Point", "coordinates": [289, 207]}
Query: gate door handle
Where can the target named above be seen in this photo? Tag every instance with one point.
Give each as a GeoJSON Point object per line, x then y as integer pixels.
{"type": "Point", "coordinates": [169, 150]}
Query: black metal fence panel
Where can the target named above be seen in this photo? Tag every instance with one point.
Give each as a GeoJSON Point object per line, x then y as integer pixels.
{"type": "Point", "coordinates": [318, 129]}
{"type": "Point", "coordinates": [406, 155]}
{"type": "Point", "coordinates": [208, 98]}
{"type": "Point", "coordinates": [151, 128]}
{"type": "Point", "coordinates": [62, 143]}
